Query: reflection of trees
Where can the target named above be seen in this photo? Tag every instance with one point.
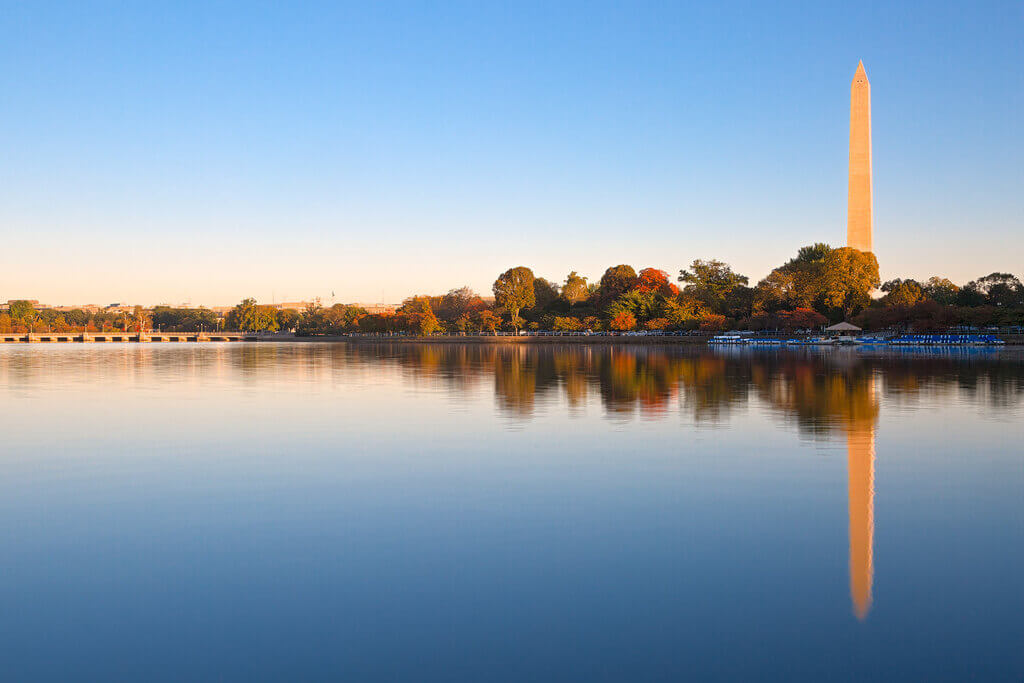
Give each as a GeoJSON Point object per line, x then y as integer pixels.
{"type": "Point", "coordinates": [820, 394]}
{"type": "Point", "coordinates": [820, 391]}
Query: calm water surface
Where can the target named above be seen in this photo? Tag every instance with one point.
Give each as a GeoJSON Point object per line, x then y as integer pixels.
{"type": "Point", "coordinates": [421, 513]}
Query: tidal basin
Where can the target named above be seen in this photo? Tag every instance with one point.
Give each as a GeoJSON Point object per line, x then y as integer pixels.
{"type": "Point", "coordinates": [510, 513]}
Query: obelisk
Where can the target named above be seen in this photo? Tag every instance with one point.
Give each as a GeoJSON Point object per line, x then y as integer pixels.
{"type": "Point", "coordinates": [858, 207]}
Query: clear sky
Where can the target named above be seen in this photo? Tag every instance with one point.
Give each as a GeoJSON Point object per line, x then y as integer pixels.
{"type": "Point", "coordinates": [206, 151]}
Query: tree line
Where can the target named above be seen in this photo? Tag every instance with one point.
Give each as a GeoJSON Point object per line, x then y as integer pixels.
{"type": "Point", "coordinates": [819, 285]}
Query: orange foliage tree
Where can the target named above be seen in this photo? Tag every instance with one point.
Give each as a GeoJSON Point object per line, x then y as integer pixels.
{"type": "Point", "coordinates": [652, 280]}
{"type": "Point", "coordinates": [623, 322]}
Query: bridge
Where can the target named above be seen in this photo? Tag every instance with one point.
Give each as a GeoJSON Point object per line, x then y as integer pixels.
{"type": "Point", "coordinates": [91, 337]}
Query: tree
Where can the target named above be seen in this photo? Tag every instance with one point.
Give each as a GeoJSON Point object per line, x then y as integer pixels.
{"type": "Point", "coordinates": [623, 322]}
{"type": "Point", "coordinates": [567, 324]}
{"type": "Point", "coordinates": [615, 282]}
{"type": "Point", "coordinates": [575, 288]}
{"type": "Point", "coordinates": [851, 275]}
{"type": "Point", "coordinates": [712, 322]}
{"type": "Point", "coordinates": [999, 289]}
{"type": "Point", "coordinates": [544, 293]}
{"type": "Point", "coordinates": [654, 281]}
{"type": "Point", "coordinates": [711, 282]}
{"type": "Point", "coordinates": [820, 277]}
{"type": "Point", "coordinates": [801, 319]}
{"type": "Point", "coordinates": [419, 316]}
{"type": "Point", "coordinates": [941, 290]}
{"type": "Point", "coordinates": [248, 317]}
{"type": "Point", "coordinates": [140, 319]}
{"type": "Point", "coordinates": [513, 291]}
{"type": "Point", "coordinates": [638, 304]}
{"type": "Point", "coordinates": [375, 323]}
{"type": "Point", "coordinates": [341, 318]}
{"type": "Point", "coordinates": [21, 311]}
{"type": "Point", "coordinates": [902, 293]}
{"type": "Point", "coordinates": [287, 319]}
{"type": "Point", "coordinates": [487, 320]}
{"type": "Point", "coordinates": [458, 303]}
{"type": "Point", "coordinates": [656, 324]}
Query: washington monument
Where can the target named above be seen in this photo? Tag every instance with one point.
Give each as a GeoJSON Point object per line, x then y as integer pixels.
{"type": "Point", "coordinates": [858, 207]}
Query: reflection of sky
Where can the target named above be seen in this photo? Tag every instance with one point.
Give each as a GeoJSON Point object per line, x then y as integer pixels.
{"type": "Point", "coordinates": [308, 511]}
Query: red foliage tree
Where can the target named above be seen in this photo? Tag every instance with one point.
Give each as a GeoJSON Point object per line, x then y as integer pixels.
{"type": "Point", "coordinates": [623, 322]}
{"type": "Point", "coordinates": [654, 280]}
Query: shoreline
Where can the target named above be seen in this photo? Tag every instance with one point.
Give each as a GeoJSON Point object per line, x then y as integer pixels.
{"type": "Point", "coordinates": [1011, 340]}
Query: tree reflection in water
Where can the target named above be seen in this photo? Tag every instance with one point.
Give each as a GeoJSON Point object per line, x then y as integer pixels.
{"type": "Point", "coordinates": [827, 394]}
{"type": "Point", "coordinates": [833, 393]}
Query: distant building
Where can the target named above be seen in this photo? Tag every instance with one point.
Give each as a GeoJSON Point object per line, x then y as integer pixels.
{"type": "Point", "coordinates": [377, 309]}
{"type": "Point", "coordinates": [88, 308]}
{"type": "Point", "coordinates": [294, 305]}
{"type": "Point", "coordinates": [35, 304]}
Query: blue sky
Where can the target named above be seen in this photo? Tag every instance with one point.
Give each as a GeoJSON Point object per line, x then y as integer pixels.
{"type": "Point", "coordinates": [172, 152]}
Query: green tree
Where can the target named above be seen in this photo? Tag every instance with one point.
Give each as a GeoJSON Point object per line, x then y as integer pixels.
{"type": "Point", "coordinates": [641, 305]}
{"type": "Point", "coordinates": [247, 316]}
{"type": "Point", "coordinates": [941, 290]}
{"type": "Point", "coordinates": [999, 289]}
{"type": "Point", "coordinates": [712, 282]}
{"type": "Point", "coordinates": [904, 293]}
{"type": "Point", "coordinates": [21, 311]}
{"type": "Point", "coordinates": [513, 291]}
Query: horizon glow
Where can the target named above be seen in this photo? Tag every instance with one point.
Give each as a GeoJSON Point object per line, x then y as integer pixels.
{"type": "Point", "coordinates": [204, 154]}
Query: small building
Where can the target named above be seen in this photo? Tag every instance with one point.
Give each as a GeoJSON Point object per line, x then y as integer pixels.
{"type": "Point", "coordinates": [842, 328]}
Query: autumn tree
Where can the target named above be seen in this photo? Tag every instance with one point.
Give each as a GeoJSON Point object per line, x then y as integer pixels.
{"type": "Point", "coordinates": [419, 316]}
{"type": "Point", "coordinates": [544, 293]}
{"type": "Point", "coordinates": [513, 291]}
{"type": "Point", "coordinates": [458, 304]}
{"type": "Point", "coordinates": [615, 282]}
{"type": "Point", "coordinates": [287, 319]}
{"type": "Point", "coordinates": [140, 319]}
{"type": "Point", "coordinates": [820, 277]}
{"type": "Point", "coordinates": [486, 320]}
{"type": "Point", "coordinates": [566, 324]}
{"type": "Point", "coordinates": [623, 322]}
{"type": "Point", "coordinates": [654, 281]}
{"type": "Point", "coordinates": [575, 288]}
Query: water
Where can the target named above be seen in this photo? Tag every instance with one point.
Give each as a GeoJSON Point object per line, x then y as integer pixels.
{"type": "Point", "coordinates": [421, 513]}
